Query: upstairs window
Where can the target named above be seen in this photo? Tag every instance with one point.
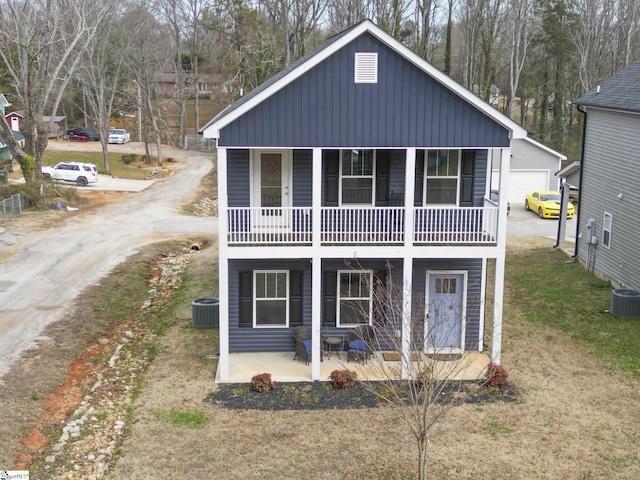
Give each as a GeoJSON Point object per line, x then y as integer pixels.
{"type": "Point", "coordinates": [366, 68]}
{"type": "Point", "coordinates": [442, 177]}
{"type": "Point", "coordinates": [357, 177]}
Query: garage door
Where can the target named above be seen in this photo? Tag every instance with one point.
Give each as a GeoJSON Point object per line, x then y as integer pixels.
{"type": "Point", "coordinates": [523, 181]}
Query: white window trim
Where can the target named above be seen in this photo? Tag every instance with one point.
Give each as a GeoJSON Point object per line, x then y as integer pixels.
{"type": "Point", "coordinates": [372, 177]}
{"type": "Point", "coordinates": [338, 299]}
{"type": "Point", "coordinates": [255, 299]}
{"type": "Point", "coordinates": [605, 229]}
{"type": "Point", "coordinates": [426, 177]}
{"type": "Point", "coordinates": [365, 68]}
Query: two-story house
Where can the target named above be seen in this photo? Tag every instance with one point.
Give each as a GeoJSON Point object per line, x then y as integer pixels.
{"type": "Point", "coordinates": [358, 156]}
{"type": "Point", "coordinates": [608, 233]}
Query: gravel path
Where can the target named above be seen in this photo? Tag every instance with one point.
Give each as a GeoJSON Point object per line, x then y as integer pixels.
{"type": "Point", "coordinates": [49, 268]}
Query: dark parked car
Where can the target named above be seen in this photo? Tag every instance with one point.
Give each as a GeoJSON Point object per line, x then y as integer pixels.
{"type": "Point", "coordinates": [83, 134]}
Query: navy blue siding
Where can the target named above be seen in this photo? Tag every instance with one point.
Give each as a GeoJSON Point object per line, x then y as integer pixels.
{"type": "Point", "coordinates": [263, 339]}
{"type": "Point", "coordinates": [238, 178]}
{"type": "Point", "coordinates": [324, 107]}
{"type": "Point", "coordinates": [302, 178]}
{"type": "Point", "coordinates": [279, 339]}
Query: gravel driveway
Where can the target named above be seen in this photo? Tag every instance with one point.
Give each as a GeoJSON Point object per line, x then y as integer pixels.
{"type": "Point", "coordinates": [49, 268]}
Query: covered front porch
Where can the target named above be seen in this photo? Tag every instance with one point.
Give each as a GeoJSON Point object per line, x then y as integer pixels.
{"type": "Point", "coordinates": [242, 366]}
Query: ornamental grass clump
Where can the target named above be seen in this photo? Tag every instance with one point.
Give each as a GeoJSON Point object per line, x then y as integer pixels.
{"type": "Point", "coordinates": [262, 383]}
{"type": "Point", "coordinates": [342, 379]}
{"type": "Point", "coordinates": [496, 375]}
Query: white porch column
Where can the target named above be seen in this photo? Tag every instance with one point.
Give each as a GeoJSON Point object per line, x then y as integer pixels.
{"type": "Point", "coordinates": [407, 263]}
{"type": "Point", "coordinates": [223, 267]}
{"type": "Point", "coordinates": [316, 265]}
{"type": "Point", "coordinates": [405, 357]}
{"type": "Point", "coordinates": [498, 301]}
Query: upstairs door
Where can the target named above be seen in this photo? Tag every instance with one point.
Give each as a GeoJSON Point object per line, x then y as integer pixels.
{"type": "Point", "coordinates": [445, 312]}
{"type": "Point", "coordinates": [272, 174]}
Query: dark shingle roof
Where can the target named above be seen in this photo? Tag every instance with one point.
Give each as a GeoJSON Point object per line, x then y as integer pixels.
{"type": "Point", "coordinates": [620, 92]}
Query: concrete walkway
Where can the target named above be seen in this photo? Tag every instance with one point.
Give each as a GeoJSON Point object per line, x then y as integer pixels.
{"type": "Point", "coordinates": [282, 367]}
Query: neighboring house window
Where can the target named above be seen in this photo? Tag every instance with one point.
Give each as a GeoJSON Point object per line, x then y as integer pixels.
{"type": "Point", "coordinates": [354, 297]}
{"type": "Point", "coordinates": [271, 298]}
{"type": "Point", "coordinates": [357, 177]}
{"type": "Point", "coordinates": [366, 68]}
{"type": "Point", "coordinates": [441, 176]}
{"type": "Point", "coordinates": [606, 230]}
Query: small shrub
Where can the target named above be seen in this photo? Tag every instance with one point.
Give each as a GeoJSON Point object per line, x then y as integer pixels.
{"type": "Point", "coordinates": [127, 158]}
{"type": "Point", "coordinates": [496, 375]}
{"type": "Point", "coordinates": [262, 383]}
{"type": "Point", "coordinates": [343, 378]}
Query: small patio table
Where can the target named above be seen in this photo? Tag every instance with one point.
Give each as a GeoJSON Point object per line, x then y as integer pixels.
{"type": "Point", "coordinates": [333, 343]}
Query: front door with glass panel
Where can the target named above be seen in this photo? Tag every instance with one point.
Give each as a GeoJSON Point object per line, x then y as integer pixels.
{"type": "Point", "coordinates": [271, 188]}
{"type": "Point", "coordinates": [445, 312]}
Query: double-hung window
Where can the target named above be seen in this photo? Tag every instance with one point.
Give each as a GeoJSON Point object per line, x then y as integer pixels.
{"type": "Point", "coordinates": [271, 298]}
{"type": "Point", "coordinates": [355, 298]}
{"type": "Point", "coordinates": [357, 177]}
{"type": "Point", "coordinates": [442, 176]}
{"type": "Point", "coordinates": [606, 230]}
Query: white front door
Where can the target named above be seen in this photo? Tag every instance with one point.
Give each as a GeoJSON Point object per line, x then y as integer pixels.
{"type": "Point", "coordinates": [15, 124]}
{"type": "Point", "coordinates": [271, 179]}
{"type": "Point", "coordinates": [445, 312]}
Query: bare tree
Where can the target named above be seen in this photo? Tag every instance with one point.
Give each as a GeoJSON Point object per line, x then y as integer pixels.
{"type": "Point", "coordinates": [343, 15]}
{"type": "Point", "coordinates": [520, 34]}
{"type": "Point", "coordinates": [298, 21]}
{"type": "Point", "coordinates": [100, 75]}
{"type": "Point", "coordinates": [424, 381]}
{"type": "Point", "coordinates": [39, 45]}
{"type": "Point", "coordinates": [146, 55]}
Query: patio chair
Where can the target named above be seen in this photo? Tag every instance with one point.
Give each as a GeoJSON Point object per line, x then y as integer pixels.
{"type": "Point", "coordinates": [360, 343]}
{"type": "Point", "coordinates": [302, 336]}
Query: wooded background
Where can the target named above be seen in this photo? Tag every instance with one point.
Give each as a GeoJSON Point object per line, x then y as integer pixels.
{"type": "Point", "coordinates": [101, 62]}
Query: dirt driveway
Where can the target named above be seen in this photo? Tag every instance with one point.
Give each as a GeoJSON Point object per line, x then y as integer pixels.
{"type": "Point", "coordinates": [43, 271]}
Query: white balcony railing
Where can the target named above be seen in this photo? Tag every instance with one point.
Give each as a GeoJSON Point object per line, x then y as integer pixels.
{"type": "Point", "coordinates": [362, 225]}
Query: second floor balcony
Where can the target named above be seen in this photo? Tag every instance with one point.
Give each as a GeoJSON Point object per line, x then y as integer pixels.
{"type": "Point", "coordinates": [260, 226]}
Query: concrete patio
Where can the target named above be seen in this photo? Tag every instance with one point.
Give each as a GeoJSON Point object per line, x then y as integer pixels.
{"type": "Point", "coordinates": [282, 367]}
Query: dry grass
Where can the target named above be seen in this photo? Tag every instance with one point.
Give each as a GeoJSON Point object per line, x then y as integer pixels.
{"type": "Point", "coordinates": [576, 421]}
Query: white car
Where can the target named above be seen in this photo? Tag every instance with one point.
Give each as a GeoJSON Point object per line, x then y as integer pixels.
{"type": "Point", "coordinates": [119, 135]}
{"type": "Point", "coordinates": [75, 172]}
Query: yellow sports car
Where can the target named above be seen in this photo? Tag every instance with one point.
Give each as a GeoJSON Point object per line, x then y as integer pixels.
{"type": "Point", "coordinates": [546, 204]}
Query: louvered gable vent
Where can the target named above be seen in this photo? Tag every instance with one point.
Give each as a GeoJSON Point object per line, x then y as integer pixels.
{"type": "Point", "coordinates": [366, 68]}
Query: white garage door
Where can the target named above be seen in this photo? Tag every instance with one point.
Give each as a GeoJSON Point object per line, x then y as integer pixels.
{"type": "Point", "coordinates": [523, 181]}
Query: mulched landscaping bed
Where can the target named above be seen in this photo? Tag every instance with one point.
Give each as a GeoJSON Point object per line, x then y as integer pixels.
{"type": "Point", "coordinates": [322, 395]}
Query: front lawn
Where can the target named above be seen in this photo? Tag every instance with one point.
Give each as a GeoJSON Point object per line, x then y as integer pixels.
{"type": "Point", "coordinates": [555, 289]}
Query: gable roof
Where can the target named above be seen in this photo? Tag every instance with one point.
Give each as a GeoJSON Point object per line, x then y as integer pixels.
{"type": "Point", "coordinates": [620, 92]}
{"type": "Point", "coordinates": [332, 45]}
{"type": "Point", "coordinates": [568, 170]}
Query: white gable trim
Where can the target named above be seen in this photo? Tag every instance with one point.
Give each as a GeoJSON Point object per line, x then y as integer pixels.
{"type": "Point", "coordinates": [212, 129]}
{"type": "Point", "coordinates": [545, 148]}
